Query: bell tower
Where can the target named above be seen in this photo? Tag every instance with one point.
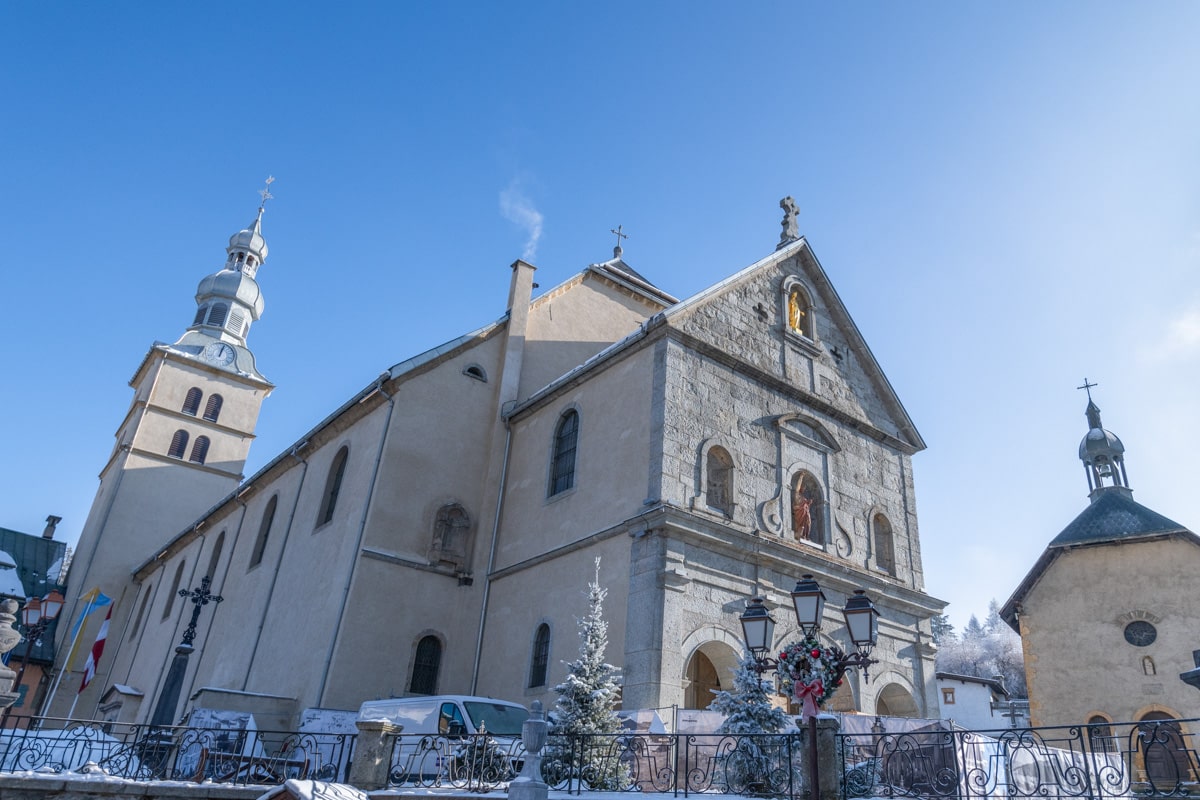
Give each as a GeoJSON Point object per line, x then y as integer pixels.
{"type": "Point", "coordinates": [1102, 454]}
{"type": "Point", "coordinates": [180, 447]}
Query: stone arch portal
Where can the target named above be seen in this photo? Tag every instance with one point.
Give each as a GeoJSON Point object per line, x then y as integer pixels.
{"type": "Point", "coordinates": [894, 700]}
{"type": "Point", "coordinates": [709, 669]}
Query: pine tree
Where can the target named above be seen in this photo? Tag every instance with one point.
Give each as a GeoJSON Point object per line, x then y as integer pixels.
{"type": "Point", "coordinates": [747, 708]}
{"type": "Point", "coordinates": [585, 713]}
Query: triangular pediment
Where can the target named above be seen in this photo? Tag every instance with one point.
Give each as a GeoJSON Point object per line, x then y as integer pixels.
{"type": "Point", "coordinates": [822, 356]}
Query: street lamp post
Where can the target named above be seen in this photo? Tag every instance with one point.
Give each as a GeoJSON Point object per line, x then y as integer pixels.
{"type": "Point", "coordinates": [36, 616]}
{"type": "Point", "coordinates": [808, 601]}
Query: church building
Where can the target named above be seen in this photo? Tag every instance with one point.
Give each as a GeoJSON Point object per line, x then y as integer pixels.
{"type": "Point", "coordinates": [435, 533]}
{"type": "Point", "coordinates": [1107, 615]}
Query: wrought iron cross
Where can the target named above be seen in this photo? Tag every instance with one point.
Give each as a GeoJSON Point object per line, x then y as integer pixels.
{"type": "Point", "coordinates": [1088, 387]}
{"type": "Point", "coordinates": [200, 598]}
{"type": "Point", "coordinates": [617, 230]}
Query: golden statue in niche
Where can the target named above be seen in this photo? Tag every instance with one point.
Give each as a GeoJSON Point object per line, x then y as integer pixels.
{"type": "Point", "coordinates": [797, 310]}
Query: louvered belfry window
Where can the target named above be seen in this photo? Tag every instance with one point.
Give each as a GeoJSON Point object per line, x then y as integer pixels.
{"type": "Point", "coordinates": [199, 450]}
{"type": "Point", "coordinates": [236, 321]}
{"type": "Point", "coordinates": [179, 443]}
{"type": "Point", "coordinates": [212, 409]}
{"type": "Point", "coordinates": [562, 468]}
{"type": "Point", "coordinates": [217, 315]}
{"type": "Point", "coordinates": [191, 403]}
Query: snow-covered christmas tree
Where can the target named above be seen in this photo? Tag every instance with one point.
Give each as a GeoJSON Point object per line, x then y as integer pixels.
{"type": "Point", "coordinates": [757, 759]}
{"type": "Point", "coordinates": [747, 708]}
{"type": "Point", "coordinates": [585, 717]}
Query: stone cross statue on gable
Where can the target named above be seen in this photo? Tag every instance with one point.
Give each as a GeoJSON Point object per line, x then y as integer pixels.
{"type": "Point", "coordinates": [791, 231]}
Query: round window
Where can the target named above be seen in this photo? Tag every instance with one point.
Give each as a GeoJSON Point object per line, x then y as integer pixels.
{"type": "Point", "coordinates": [1140, 633]}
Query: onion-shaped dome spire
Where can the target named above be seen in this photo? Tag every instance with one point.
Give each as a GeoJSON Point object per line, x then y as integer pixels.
{"type": "Point", "coordinates": [1102, 453]}
{"type": "Point", "coordinates": [229, 300]}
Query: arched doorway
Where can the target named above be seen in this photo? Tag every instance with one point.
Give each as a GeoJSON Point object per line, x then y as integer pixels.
{"type": "Point", "coordinates": [709, 669]}
{"type": "Point", "coordinates": [1160, 740]}
{"type": "Point", "coordinates": [895, 701]}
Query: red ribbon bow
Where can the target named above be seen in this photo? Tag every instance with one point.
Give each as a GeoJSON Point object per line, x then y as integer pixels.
{"type": "Point", "coordinates": [808, 694]}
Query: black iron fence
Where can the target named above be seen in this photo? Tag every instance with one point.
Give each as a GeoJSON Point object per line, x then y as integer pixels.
{"type": "Point", "coordinates": [938, 762]}
{"type": "Point", "coordinates": [145, 752]}
{"type": "Point", "coordinates": [664, 763]}
{"type": "Point", "coordinates": [1090, 762]}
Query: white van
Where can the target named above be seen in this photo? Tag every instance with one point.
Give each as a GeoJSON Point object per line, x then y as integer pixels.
{"type": "Point", "coordinates": [449, 715]}
{"type": "Point", "coordinates": [439, 738]}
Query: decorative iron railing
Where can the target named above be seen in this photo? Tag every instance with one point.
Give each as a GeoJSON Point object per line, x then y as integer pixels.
{"type": "Point", "coordinates": [1092, 762]}
{"type": "Point", "coordinates": [144, 752]}
{"type": "Point", "coordinates": [670, 763]}
{"type": "Point", "coordinates": [1088, 762]}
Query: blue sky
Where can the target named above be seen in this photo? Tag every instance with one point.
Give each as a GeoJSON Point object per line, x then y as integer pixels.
{"type": "Point", "coordinates": [1006, 196]}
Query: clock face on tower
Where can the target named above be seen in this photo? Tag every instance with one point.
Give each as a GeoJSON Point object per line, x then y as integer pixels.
{"type": "Point", "coordinates": [219, 353]}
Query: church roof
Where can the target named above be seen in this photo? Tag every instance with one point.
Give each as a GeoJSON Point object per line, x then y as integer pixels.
{"type": "Point", "coordinates": [1114, 516]}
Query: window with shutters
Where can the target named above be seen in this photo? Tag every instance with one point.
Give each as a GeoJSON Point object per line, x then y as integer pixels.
{"type": "Point", "coordinates": [212, 409]}
{"type": "Point", "coordinates": [191, 403]}
{"type": "Point", "coordinates": [179, 443]}
{"type": "Point", "coordinates": [199, 450]}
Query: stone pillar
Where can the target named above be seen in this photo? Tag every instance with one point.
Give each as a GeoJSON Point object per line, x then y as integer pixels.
{"type": "Point", "coordinates": [8, 640]}
{"type": "Point", "coordinates": [373, 754]}
{"type": "Point", "coordinates": [829, 767]}
{"type": "Point", "coordinates": [529, 784]}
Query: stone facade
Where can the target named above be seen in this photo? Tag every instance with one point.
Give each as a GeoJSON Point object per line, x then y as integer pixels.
{"type": "Point", "coordinates": [694, 430]}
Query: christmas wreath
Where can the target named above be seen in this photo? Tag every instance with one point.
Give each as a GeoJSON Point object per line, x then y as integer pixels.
{"type": "Point", "coordinates": [810, 673]}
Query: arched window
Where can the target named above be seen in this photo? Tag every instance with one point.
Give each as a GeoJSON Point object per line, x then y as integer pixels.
{"type": "Point", "coordinates": [264, 530]}
{"type": "Point", "coordinates": [425, 666]}
{"type": "Point", "coordinates": [562, 464]}
{"type": "Point", "coordinates": [1100, 734]}
{"type": "Point", "coordinates": [174, 591]}
{"type": "Point", "coordinates": [199, 450]}
{"type": "Point", "coordinates": [216, 557]}
{"type": "Point", "coordinates": [216, 316]}
{"type": "Point", "coordinates": [540, 661]}
{"type": "Point", "coordinates": [333, 485]}
{"type": "Point", "coordinates": [212, 409]}
{"type": "Point", "coordinates": [200, 315]}
{"type": "Point", "coordinates": [799, 312]}
{"type": "Point", "coordinates": [191, 403]}
{"type": "Point", "coordinates": [179, 444]}
{"type": "Point", "coordinates": [137, 621]}
{"type": "Point", "coordinates": [808, 509]}
{"type": "Point", "coordinates": [718, 491]}
{"type": "Point", "coordinates": [885, 547]}
{"type": "Point", "coordinates": [475, 371]}
{"type": "Point", "coordinates": [451, 536]}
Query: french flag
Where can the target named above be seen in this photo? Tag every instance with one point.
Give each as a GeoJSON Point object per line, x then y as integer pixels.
{"type": "Point", "coordinates": [89, 669]}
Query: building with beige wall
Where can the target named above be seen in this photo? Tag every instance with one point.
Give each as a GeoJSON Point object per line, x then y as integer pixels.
{"type": "Point", "coordinates": [435, 533]}
{"type": "Point", "coordinates": [1107, 616]}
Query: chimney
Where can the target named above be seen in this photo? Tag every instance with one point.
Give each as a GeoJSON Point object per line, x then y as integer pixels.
{"type": "Point", "coordinates": [51, 523]}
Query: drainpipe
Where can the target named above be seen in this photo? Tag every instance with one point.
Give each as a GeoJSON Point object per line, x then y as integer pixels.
{"type": "Point", "coordinates": [487, 578]}
{"type": "Point", "coordinates": [262, 621]}
{"type": "Point", "coordinates": [362, 530]}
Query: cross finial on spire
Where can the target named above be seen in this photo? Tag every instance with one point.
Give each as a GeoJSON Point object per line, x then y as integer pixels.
{"type": "Point", "coordinates": [1088, 387]}
{"type": "Point", "coordinates": [618, 231]}
{"type": "Point", "coordinates": [265, 193]}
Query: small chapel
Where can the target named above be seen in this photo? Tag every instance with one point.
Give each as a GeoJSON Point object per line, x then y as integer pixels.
{"type": "Point", "coordinates": [707, 450]}
{"type": "Point", "coordinates": [1112, 599]}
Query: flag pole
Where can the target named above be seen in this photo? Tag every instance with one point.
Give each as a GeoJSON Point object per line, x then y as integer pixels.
{"type": "Point", "coordinates": [71, 653]}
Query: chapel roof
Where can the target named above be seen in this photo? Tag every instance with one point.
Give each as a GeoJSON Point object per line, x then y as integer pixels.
{"type": "Point", "coordinates": [1114, 516]}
